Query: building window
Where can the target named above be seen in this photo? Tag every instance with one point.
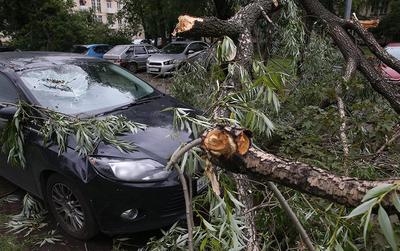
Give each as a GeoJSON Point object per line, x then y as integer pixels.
{"type": "Point", "coordinates": [94, 5]}
{"type": "Point", "coordinates": [118, 5]}
{"type": "Point", "coordinates": [109, 6]}
{"type": "Point", "coordinates": [98, 6]}
{"type": "Point", "coordinates": [82, 2]}
{"type": "Point", "coordinates": [110, 19]}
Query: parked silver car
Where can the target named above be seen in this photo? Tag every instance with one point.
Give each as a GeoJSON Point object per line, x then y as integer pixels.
{"type": "Point", "coordinates": [172, 55]}
{"type": "Point", "coordinates": [131, 56]}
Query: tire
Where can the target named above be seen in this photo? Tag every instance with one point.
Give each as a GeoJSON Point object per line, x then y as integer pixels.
{"type": "Point", "coordinates": [70, 208]}
{"type": "Point", "coordinates": [133, 67]}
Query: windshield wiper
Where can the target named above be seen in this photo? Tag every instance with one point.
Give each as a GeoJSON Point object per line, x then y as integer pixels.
{"type": "Point", "coordinates": [139, 101]}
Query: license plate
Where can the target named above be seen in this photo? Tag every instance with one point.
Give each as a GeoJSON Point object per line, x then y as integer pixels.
{"type": "Point", "coordinates": [154, 69]}
{"type": "Point", "coordinates": [202, 183]}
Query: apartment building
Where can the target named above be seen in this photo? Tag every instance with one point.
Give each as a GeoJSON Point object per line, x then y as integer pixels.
{"type": "Point", "coordinates": [375, 9]}
{"type": "Point", "coordinates": [105, 10]}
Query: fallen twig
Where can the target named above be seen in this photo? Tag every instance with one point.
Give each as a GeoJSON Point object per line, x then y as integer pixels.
{"type": "Point", "coordinates": [188, 197]}
{"type": "Point", "coordinates": [292, 216]}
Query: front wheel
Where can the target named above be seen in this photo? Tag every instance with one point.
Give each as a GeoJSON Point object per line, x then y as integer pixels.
{"type": "Point", "coordinates": [70, 208]}
{"type": "Point", "coordinates": [133, 67]}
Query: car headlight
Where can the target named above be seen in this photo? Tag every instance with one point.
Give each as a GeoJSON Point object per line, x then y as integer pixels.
{"type": "Point", "coordinates": [173, 61]}
{"type": "Point", "coordinates": [144, 170]}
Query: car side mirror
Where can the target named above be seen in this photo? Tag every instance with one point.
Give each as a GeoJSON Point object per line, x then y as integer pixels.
{"type": "Point", "coordinates": [190, 52]}
{"type": "Point", "coordinates": [8, 112]}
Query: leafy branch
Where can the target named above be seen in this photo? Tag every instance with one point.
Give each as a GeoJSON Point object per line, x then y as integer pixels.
{"type": "Point", "coordinates": [377, 197]}
{"type": "Point", "coordinates": [56, 128]}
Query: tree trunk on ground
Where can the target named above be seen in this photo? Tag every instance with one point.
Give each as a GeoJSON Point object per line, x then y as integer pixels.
{"type": "Point", "coordinates": [262, 167]}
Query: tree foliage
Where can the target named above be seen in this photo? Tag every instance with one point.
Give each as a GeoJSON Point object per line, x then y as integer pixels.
{"type": "Point", "coordinates": [389, 27]}
{"type": "Point", "coordinates": [53, 25]}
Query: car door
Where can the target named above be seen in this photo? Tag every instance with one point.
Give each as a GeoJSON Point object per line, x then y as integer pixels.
{"type": "Point", "coordinates": [141, 56]}
{"type": "Point", "coordinates": [23, 177]}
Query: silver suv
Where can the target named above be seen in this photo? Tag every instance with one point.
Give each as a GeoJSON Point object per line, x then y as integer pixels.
{"type": "Point", "coordinates": [172, 55]}
{"type": "Point", "coordinates": [131, 56]}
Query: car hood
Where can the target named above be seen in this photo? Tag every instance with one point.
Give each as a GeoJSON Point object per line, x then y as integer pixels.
{"type": "Point", "coordinates": [159, 140]}
{"type": "Point", "coordinates": [165, 57]}
{"type": "Point", "coordinates": [390, 73]}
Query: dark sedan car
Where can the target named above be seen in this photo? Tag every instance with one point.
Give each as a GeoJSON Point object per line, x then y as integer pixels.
{"type": "Point", "coordinates": [109, 191]}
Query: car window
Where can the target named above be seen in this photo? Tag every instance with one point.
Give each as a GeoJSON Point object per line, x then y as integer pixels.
{"type": "Point", "coordinates": [204, 46]}
{"type": "Point", "coordinates": [117, 50]}
{"type": "Point", "coordinates": [196, 47]}
{"type": "Point", "coordinates": [139, 50]}
{"type": "Point", "coordinates": [151, 49]}
{"type": "Point", "coordinates": [86, 87]}
{"type": "Point", "coordinates": [80, 49]}
{"type": "Point", "coordinates": [174, 48]}
{"type": "Point", "coordinates": [101, 49]}
{"type": "Point", "coordinates": [8, 91]}
{"type": "Point", "coordinates": [394, 51]}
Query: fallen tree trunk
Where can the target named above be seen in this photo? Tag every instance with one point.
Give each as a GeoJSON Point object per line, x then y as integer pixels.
{"type": "Point", "coordinates": [264, 167]}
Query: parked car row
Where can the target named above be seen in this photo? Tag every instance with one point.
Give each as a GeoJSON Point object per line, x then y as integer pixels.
{"type": "Point", "coordinates": [172, 55]}
{"type": "Point", "coordinates": [143, 56]}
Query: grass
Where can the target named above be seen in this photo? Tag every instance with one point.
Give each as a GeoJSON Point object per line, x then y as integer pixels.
{"type": "Point", "coordinates": [11, 243]}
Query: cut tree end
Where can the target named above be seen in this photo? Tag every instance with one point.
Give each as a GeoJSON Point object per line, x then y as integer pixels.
{"type": "Point", "coordinates": [226, 141]}
{"type": "Point", "coordinates": [185, 23]}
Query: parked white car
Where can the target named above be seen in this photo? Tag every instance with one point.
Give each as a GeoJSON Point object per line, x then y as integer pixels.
{"type": "Point", "coordinates": [172, 55]}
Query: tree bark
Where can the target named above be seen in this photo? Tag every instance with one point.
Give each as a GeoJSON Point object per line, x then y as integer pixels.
{"type": "Point", "coordinates": [263, 167]}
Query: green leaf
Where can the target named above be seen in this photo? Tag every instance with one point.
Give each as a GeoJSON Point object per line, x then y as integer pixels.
{"type": "Point", "coordinates": [209, 226]}
{"type": "Point", "coordinates": [228, 49]}
{"type": "Point", "coordinates": [376, 191]}
{"type": "Point", "coordinates": [203, 244]}
{"type": "Point", "coordinates": [338, 247]}
{"type": "Point", "coordinates": [366, 224]}
{"type": "Point", "coordinates": [364, 207]}
{"type": "Point", "coordinates": [387, 228]}
{"type": "Point", "coordinates": [396, 201]}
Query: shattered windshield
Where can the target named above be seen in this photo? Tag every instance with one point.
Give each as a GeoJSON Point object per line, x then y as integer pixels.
{"type": "Point", "coordinates": [84, 88]}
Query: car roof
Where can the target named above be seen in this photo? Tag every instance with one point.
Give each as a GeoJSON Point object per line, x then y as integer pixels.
{"type": "Point", "coordinates": [91, 45]}
{"type": "Point", "coordinates": [19, 61]}
{"type": "Point", "coordinates": [144, 44]}
{"type": "Point", "coordinates": [393, 45]}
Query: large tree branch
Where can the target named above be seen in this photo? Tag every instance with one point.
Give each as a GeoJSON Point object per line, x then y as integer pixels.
{"type": "Point", "coordinates": [263, 167]}
{"type": "Point", "coordinates": [373, 45]}
{"type": "Point", "coordinates": [336, 28]}
{"type": "Point", "coordinates": [239, 27]}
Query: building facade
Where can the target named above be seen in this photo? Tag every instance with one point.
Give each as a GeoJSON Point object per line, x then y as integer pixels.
{"type": "Point", "coordinates": [105, 11]}
{"type": "Point", "coordinates": [375, 9]}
